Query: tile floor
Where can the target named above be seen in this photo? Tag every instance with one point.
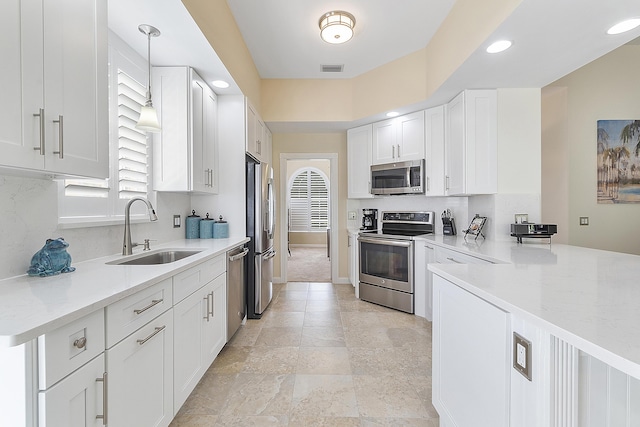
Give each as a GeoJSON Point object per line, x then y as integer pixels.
{"type": "Point", "coordinates": [319, 357]}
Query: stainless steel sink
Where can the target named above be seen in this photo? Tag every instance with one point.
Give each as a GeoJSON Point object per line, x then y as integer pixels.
{"type": "Point", "coordinates": [156, 257]}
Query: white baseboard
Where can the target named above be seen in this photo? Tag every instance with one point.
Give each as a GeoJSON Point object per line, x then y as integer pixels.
{"type": "Point", "coordinates": [307, 245]}
{"type": "Point", "coordinates": [340, 281]}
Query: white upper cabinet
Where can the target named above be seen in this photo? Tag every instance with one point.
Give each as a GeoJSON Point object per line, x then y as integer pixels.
{"type": "Point", "coordinates": [54, 105]}
{"type": "Point", "coordinates": [258, 142]}
{"type": "Point", "coordinates": [434, 150]}
{"type": "Point", "coordinates": [185, 152]}
{"type": "Point", "coordinates": [359, 162]}
{"type": "Point", "coordinates": [399, 139]}
{"type": "Point", "coordinates": [471, 143]}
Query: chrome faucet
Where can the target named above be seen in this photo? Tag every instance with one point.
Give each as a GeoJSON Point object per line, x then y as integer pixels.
{"type": "Point", "coordinates": [127, 246]}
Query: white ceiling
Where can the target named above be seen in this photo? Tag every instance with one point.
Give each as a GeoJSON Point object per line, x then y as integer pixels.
{"type": "Point", "coordinates": [551, 39]}
{"type": "Point", "coordinates": [283, 36]}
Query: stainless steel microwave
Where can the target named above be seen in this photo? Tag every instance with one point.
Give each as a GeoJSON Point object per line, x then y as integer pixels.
{"type": "Point", "coordinates": [398, 178]}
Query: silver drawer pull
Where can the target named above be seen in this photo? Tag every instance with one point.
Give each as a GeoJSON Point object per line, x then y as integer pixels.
{"type": "Point", "coordinates": [206, 317]}
{"type": "Point", "coordinates": [80, 342]}
{"type": "Point", "coordinates": [105, 399]}
{"type": "Point", "coordinates": [153, 334]}
{"type": "Point", "coordinates": [454, 260]}
{"type": "Point", "coordinates": [153, 302]}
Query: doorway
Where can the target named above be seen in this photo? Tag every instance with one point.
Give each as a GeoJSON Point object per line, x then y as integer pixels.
{"type": "Point", "coordinates": [308, 196]}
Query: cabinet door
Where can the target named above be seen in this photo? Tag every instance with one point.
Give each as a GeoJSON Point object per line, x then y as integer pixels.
{"type": "Point", "coordinates": [140, 372]}
{"type": "Point", "coordinates": [203, 137]}
{"type": "Point", "coordinates": [359, 142]}
{"type": "Point", "coordinates": [455, 147]}
{"type": "Point", "coordinates": [260, 139]}
{"type": "Point", "coordinates": [75, 87]}
{"type": "Point", "coordinates": [267, 144]}
{"type": "Point", "coordinates": [434, 150]}
{"type": "Point", "coordinates": [21, 83]}
{"type": "Point", "coordinates": [199, 176]}
{"type": "Point", "coordinates": [481, 141]}
{"type": "Point", "coordinates": [471, 355]}
{"type": "Point", "coordinates": [384, 144]}
{"type": "Point", "coordinates": [251, 131]}
{"type": "Point", "coordinates": [215, 327]}
{"type": "Point", "coordinates": [210, 149]}
{"type": "Point", "coordinates": [200, 333]}
{"type": "Point", "coordinates": [410, 137]}
{"type": "Point", "coordinates": [75, 401]}
{"type": "Point", "coordinates": [430, 257]}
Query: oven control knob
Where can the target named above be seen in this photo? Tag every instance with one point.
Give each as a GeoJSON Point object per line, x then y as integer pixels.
{"type": "Point", "coordinates": [383, 281]}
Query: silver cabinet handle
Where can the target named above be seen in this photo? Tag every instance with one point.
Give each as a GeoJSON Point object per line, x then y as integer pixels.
{"type": "Point", "coordinates": [105, 399]}
{"type": "Point", "coordinates": [427, 183]}
{"type": "Point", "coordinates": [429, 247]}
{"type": "Point", "coordinates": [153, 334]}
{"type": "Point", "coordinates": [398, 150]}
{"type": "Point", "coordinates": [80, 342]}
{"type": "Point", "coordinates": [259, 145]}
{"type": "Point", "coordinates": [454, 260]}
{"type": "Point", "coordinates": [210, 313]}
{"type": "Point", "coordinates": [446, 182]}
{"type": "Point", "coordinates": [393, 151]}
{"type": "Point", "coordinates": [40, 114]}
{"type": "Point", "coordinates": [207, 311]}
{"type": "Point", "coordinates": [153, 303]}
{"type": "Point", "coordinates": [60, 122]}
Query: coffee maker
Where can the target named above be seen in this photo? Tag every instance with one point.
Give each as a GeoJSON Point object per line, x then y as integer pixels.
{"type": "Point", "coordinates": [369, 219]}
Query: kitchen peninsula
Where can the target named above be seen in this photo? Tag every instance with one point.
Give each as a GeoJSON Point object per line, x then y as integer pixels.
{"type": "Point", "coordinates": [577, 308]}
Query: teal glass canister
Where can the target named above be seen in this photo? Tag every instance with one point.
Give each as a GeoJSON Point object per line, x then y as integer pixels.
{"type": "Point", "coordinates": [220, 229]}
{"type": "Point", "coordinates": [193, 226]}
{"type": "Point", "coordinates": [206, 227]}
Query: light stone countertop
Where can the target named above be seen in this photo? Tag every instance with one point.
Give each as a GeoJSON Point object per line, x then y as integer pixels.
{"type": "Point", "coordinates": [32, 306]}
{"type": "Point", "coordinates": [589, 298]}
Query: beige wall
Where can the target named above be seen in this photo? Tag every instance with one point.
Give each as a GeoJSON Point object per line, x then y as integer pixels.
{"type": "Point", "coordinates": [316, 143]}
{"type": "Point", "coordinates": [607, 88]}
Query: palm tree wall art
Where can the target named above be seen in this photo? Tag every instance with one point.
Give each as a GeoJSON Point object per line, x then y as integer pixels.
{"type": "Point", "coordinates": [618, 148]}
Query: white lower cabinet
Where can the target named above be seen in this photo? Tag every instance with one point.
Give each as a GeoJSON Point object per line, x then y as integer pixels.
{"type": "Point", "coordinates": [471, 355]}
{"type": "Point", "coordinates": [200, 333]}
{"type": "Point", "coordinates": [76, 401]}
{"type": "Point", "coordinates": [140, 376]}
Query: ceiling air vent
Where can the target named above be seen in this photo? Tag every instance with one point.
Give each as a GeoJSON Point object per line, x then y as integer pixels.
{"type": "Point", "coordinates": [332, 68]}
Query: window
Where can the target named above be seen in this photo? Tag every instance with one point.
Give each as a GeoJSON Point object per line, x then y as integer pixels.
{"type": "Point", "coordinates": [308, 201]}
{"type": "Point", "coordinates": [95, 200]}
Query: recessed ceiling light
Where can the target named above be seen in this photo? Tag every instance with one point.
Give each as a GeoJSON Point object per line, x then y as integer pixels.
{"type": "Point", "coordinates": [393, 114]}
{"type": "Point", "coordinates": [221, 84]}
{"type": "Point", "coordinates": [499, 46]}
{"type": "Point", "coordinates": [624, 26]}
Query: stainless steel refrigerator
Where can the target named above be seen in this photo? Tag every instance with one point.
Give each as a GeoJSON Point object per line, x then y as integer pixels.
{"type": "Point", "coordinates": [260, 228]}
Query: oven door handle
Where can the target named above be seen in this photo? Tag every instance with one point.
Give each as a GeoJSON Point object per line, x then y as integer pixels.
{"type": "Point", "coordinates": [388, 242]}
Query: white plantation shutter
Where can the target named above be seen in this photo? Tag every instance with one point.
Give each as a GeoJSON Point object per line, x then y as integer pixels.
{"type": "Point", "coordinates": [308, 202]}
{"type": "Point", "coordinates": [132, 149]}
{"type": "Point", "coordinates": [132, 143]}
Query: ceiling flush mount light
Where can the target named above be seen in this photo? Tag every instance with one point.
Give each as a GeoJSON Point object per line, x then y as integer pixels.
{"type": "Point", "coordinates": [624, 26]}
{"type": "Point", "coordinates": [393, 114]}
{"type": "Point", "coordinates": [148, 120]}
{"type": "Point", "coordinates": [499, 46]}
{"type": "Point", "coordinates": [220, 84]}
{"type": "Point", "coordinates": [336, 26]}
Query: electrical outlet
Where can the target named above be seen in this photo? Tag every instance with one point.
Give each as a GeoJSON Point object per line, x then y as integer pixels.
{"type": "Point", "coordinates": [352, 215]}
{"type": "Point", "coordinates": [584, 220]}
{"type": "Point", "coordinates": [522, 355]}
{"type": "Point", "coordinates": [176, 221]}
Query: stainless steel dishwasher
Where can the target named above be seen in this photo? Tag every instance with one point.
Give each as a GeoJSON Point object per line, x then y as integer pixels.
{"type": "Point", "coordinates": [236, 299]}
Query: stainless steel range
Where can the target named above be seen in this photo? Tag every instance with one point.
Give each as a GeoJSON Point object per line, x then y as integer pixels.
{"type": "Point", "coordinates": [387, 259]}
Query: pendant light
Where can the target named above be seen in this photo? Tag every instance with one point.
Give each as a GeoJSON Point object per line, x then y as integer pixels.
{"type": "Point", "coordinates": [148, 120]}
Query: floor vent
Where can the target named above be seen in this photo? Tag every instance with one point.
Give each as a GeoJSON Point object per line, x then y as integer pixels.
{"type": "Point", "coordinates": [332, 68]}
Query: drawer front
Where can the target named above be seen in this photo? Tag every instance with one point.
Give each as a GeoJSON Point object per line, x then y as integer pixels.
{"type": "Point", "coordinates": [129, 314]}
{"type": "Point", "coordinates": [65, 349]}
{"type": "Point", "coordinates": [189, 281]}
{"type": "Point", "coordinates": [446, 256]}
